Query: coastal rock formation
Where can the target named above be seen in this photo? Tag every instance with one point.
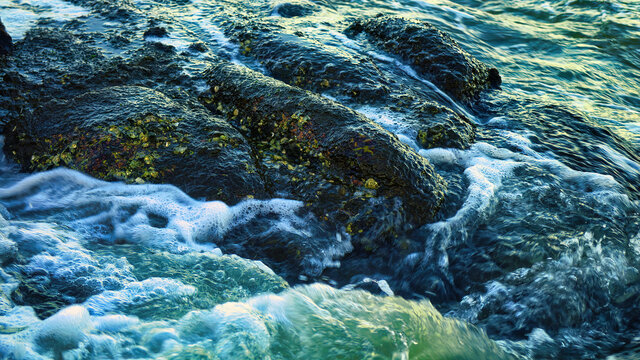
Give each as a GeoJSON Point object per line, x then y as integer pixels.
{"type": "Point", "coordinates": [308, 64]}
{"type": "Point", "coordinates": [431, 53]}
{"type": "Point", "coordinates": [321, 152]}
{"type": "Point", "coordinates": [137, 134]}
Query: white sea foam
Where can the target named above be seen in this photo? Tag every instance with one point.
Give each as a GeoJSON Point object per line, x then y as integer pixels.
{"type": "Point", "coordinates": [137, 292]}
{"type": "Point", "coordinates": [486, 167]}
{"type": "Point", "coordinates": [19, 16]}
{"type": "Point", "coordinates": [159, 216]}
{"type": "Point", "coordinates": [392, 122]}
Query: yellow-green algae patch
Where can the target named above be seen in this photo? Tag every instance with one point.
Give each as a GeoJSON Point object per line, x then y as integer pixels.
{"type": "Point", "coordinates": [128, 151]}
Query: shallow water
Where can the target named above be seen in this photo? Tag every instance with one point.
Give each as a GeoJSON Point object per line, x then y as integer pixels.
{"type": "Point", "coordinates": [537, 244]}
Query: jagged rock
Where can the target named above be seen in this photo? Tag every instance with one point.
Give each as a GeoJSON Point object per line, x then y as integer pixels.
{"type": "Point", "coordinates": [155, 31]}
{"type": "Point", "coordinates": [431, 53]}
{"type": "Point", "coordinates": [51, 64]}
{"type": "Point", "coordinates": [319, 151]}
{"type": "Point", "coordinates": [137, 134]}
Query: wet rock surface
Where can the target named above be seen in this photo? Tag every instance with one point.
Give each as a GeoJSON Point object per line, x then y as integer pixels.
{"type": "Point", "coordinates": [303, 62]}
{"type": "Point", "coordinates": [300, 61]}
{"type": "Point", "coordinates": [295, 8]}
{"type": "Point", "coordinates": [431, 53]}
{"type": "Point", "coordinates": [324, 144]}
{"type": "Point", "coordinates": [140, 135]}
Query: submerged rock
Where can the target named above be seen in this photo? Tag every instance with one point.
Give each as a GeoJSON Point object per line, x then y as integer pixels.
{"type": "Point", "coordinates": [136, 134]}
{"type": "Point", "coordinates": [431, 53]}
{"type": "Point", "coordinates": [5, 40]}
{"type": "Point", "coordinates": [293, 8]}
{"type": "Point", "coordinates": [437, 126]}
{"type": "Point", "coordinates": [314, 149]}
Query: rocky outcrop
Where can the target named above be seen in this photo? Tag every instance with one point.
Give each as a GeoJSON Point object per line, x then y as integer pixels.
{"type": "Point", "coordinates": [136, 134]}
{"type": "Point", "coordinates": [309, 64]}
{"type": "Point", "coordinates": [319, 151]}
{"type": "Point", "coordinates": [438, 126]}
{"type": "Point", "coordinates": [432, 53]}
{"type": "Point", "coordinates": [322, 68]}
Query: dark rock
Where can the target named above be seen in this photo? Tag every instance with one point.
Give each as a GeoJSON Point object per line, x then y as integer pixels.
{"type": "Point", "coordinates": [321, 68]}
{"type": "Point", "coordinates": [137, 134]}
{"type": "Point", "coordinates": [198, 47]}
{"type": "Point", "coordinates": [309, 64]}
{"type": "Point", "coordinates": [5, 40]}
{"type": "Point", "coordinates": [438, 126]}
{"type": "Point", "coordinates": [156, 31]}
{"type": "Point", "coordinates": [319, 151]}
{"type": "Point", "coordinates": [46, 64]}
{"type": "Point", "coordinates": [294, 8]}
{"type": "Point", "coordinates": [431, 53]}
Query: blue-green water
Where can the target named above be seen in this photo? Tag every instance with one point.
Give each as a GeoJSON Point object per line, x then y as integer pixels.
{"type": "Point", "coordinates": [537, 246]}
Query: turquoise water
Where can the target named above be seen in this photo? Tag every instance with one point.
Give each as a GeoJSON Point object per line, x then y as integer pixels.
{"type": "Point", "coordinates": [535, 254]}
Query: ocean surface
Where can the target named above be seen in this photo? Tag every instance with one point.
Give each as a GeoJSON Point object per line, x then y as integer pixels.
{"type": "Point", "coordinates": [538, 243]}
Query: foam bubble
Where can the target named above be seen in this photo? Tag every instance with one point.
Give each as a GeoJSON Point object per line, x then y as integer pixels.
{"type": "Point", "coordinates": [485, 168]}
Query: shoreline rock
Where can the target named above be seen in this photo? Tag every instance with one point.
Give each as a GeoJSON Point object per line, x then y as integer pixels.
{"type": "Point", "coordinates": [431, 52]}
{"type": "Point", "coordinates": [319, 151]}
{"type": "Point", "coordinates": [136, 134]}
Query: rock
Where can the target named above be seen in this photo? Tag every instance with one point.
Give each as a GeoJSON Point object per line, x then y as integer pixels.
{"type": "Point", "coordinates": [46, 64]}
{"type": "Point", "coordinates": [432, 53]}
{"type": "Point", "coordinates": [326, 69]}
{"type": "Point", "coordinates": [156, 31]}
{"type": "Point", "coordinates": [293, 8]}
{"type": "Point", "coordinates": [136, 134]}
{"type": "Point", "coordinates": [438, 126]}
{"type": "Point", "coordinates": [319, 151]}
{"type": "Point", "coordinates": [51, 64]}
{"type": "Point", "coordinates": [309, 64]}
{"type": "Point", "coordinates": [5, 40]}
